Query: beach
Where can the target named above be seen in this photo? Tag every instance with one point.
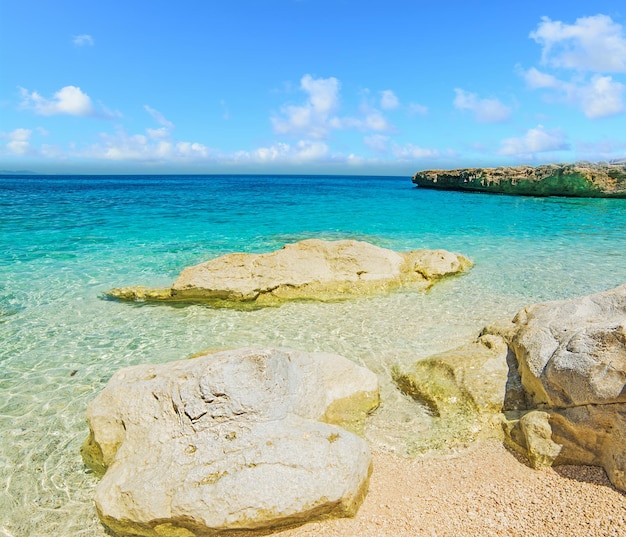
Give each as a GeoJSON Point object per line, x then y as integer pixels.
{"type": "Point", "coordinates": [64, 240]}
{"type": "Point", "coordinates": [481, 491]}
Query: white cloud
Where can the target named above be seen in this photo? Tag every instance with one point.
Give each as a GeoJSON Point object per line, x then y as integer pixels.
{"type": "Point", "coordinates": [19, 141]}
{"type": "Point", "coordinates": [164, 132]}
{"type": "Point", "coordinates": [595, 44]}
{"type": "Point", "coordinates": [536, 79]}
{"type": "Point", "coordinates": [377, 142]}
{"type": "Point", "coordinates": [50, 151]}
{"type": "Point", "coordinates": [371, 119]}
{"type": "Point", "coordinates": [589, 47]}
{"type": "Point", "coordinates": [69, 100]}
{"type": "Point", "coordinates": [191, 149]}
{"type": "Point", "coordinates": [600, 96]}
{"type": "Point", "coordinates": [158, 134]}
{"type": "Point", "coordinates": [388, 100]}
{"type": "Point", "coordinates": [158, 117]}
{"type": "Point", "coordinates": [312, 118]}
{"type": "Point", "coordinates": [415, 108]}
{"type": "Point", "coordinates": [484, 110]}
{"type": "Point", "coordinates": [303, 151]}
{"type": "Point", "coordinates": [537, 140]}
{"type": "Point", "coordinates": [83, 40]}
{"type": "Point", "coordinates": [606, 149]}
{"type": "Point", "coordinates": [374, 120]}
{"type": "Point", "coordinates": [19, 144]}
{"type": "Point", "coordinates": [317, 117]}
{"type": "Point", "coordinates": [139, 147]}
{"type": "Point", "coordinates": [410, 151]}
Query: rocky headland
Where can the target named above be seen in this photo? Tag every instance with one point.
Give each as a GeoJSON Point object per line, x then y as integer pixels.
{"type": "Point", "coordinates": [308, 270]}
{"type": "Point", "coordinates": [582, 179]}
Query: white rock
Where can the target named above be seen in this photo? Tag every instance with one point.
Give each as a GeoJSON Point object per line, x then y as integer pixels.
{"type": "Point", "coordinates": [571, 360]}
{"type": "Point", "coordinates": [230, 441]}
{"type": "Point", "coordinates": [573, 352]}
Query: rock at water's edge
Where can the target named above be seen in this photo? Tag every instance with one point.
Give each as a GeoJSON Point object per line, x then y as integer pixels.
{"type": "Point", "coordinates": [464, 389]}
{"type": "Point", "coordinates": [230, 441]}
{"type": "Point", "coordinates": [583, 179]}
{"type": "Point", "coordinates": [554, 377]}
{"type": "Point", "coordinates": [308, 270]}
{"type": "Point", "coordinates": [571, 363]}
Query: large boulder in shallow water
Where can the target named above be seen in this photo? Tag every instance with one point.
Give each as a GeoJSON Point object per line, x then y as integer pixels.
{"type": "Point", "coordinates": [570, 358]}
{"type": "Point", "coordinates": [308, 270]}
{"type": "Point", "coordinates": [238, 440]}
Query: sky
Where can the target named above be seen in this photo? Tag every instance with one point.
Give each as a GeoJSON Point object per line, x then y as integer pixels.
{"type": "Point", "coordinates": [309, 86]}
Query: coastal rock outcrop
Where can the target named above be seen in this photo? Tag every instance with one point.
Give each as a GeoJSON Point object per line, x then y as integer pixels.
{"type": "Point", "coordinates": [582, 179]}
{"type": "Point", "coordinates": [308, 270]}
{"type": "Point", "coordinates": [248, 439]}
{"type": "Point", "coordinates": [553, 378]}
{"type": "Point", "coordinates": [570, 360]}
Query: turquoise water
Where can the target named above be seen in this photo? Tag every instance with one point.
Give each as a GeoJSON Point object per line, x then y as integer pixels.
{"type": "Point", "coordinates": [65, 240]}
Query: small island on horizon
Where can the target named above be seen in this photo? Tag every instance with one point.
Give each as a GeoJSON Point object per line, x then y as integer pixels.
{"type": "Point", "coordinates": [580, 179]}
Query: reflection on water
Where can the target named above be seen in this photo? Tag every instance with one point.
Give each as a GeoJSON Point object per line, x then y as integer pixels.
{"type": "Point", "coordinates": [63, 241]}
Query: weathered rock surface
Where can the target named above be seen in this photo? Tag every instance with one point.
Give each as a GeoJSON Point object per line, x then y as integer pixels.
{"type": "Point", "coordinates": [582, 179]}
{"type": "Point", "coordinates": [308, 270]}
{"type": "Point", "coordinates": [557, 372]}
{"type": "Point", "coordinates": [571, 352]}
{"type": "Point", "coordinates": [238, 440]}
{"type": "Point", "coordinates": [464, 387]}
{"type": "Point", "coordinates": [571, 363]}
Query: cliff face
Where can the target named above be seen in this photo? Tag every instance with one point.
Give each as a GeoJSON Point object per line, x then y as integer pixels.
{"type": "Point", "coordinates": [582, 179]}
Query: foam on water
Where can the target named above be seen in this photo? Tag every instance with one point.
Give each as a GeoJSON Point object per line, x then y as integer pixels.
{"type": "Point", "coordinates": [64, 240]}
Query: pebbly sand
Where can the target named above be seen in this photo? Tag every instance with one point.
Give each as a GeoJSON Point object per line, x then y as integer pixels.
{"type": "Point", "coordinates": [482, 491]}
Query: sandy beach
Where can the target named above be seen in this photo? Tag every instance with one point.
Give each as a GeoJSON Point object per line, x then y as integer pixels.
{"type": "Point", "coordinates": [483, 491]}
{"type": "Point", "coordinates": [68, 239]}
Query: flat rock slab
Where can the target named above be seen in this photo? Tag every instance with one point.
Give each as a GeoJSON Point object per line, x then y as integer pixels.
{"type": "Point", "coordinates": [308, 270]}
{"type": "Point", "coordinates": [237, 440]}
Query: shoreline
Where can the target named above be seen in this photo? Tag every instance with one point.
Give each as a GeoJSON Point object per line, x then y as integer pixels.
{"type": "Point", "coordinates": [63, 342]}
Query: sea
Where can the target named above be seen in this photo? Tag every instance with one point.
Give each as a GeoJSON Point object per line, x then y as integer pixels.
{"type": "Point", "coordinates": [65, 240]}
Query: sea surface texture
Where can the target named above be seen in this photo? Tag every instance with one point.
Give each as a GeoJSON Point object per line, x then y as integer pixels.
{"type": "Point", "coordinates": [65, 240]}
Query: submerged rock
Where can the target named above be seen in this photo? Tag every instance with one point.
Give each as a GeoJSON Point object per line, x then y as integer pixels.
{"type": "Point", "coordinates": [308, 270]}
{"type": "Point", "coordinates": [464, 388]}
{"type": "Point", "coordinates": [248, 439]}
{"type": "Point", "coordinates": [571, 363]}
{"type": "Point", "coordinates": [583, 179]}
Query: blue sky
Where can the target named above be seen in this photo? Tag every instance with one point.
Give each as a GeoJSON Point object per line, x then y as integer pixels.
{"type": "Point", "coordinates": [308, 86]}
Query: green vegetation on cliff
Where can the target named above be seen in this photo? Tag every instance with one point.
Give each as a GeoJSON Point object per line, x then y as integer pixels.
{"type": "Point", "coordinates": [583, 179]}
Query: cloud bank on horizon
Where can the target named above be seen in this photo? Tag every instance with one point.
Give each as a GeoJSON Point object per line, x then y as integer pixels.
{"type": "Point", "coordinates": [170, 99]}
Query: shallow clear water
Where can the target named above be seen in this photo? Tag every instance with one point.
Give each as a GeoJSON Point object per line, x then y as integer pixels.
{"type": "Point", "coordinates": [65, 240]}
